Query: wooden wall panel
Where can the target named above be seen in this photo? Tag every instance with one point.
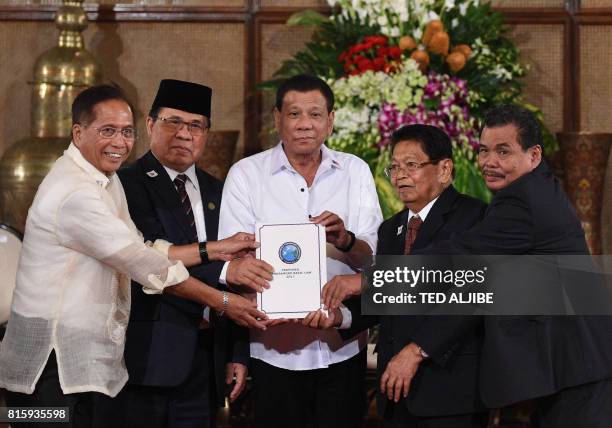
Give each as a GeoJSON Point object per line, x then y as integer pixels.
{"type": "Point", "coordinates": [278, 43]}
{"type": "Point", "coordinates": [20, 44]}
{"type": "Point", "coordinates": [181, 3]}
{"type": "Point", "coordinates": [587, 4]}
{"type": "Point", "coordinates": [596, 78]}
{"type": "Point", "coordinates": [292, 3]}
{"type": "Point", "coordinates": [519, 4]}
{"type": "Point", "coordinates": [138, 55]}
{"type": "Point", "coordinates": [541, 49]}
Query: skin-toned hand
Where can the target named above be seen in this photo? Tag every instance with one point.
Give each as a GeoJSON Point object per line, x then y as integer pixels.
{"type": "Point", "coordinates": [339, 288]}
{"type": "Point", "coordinates": [244, 312]}
{"type": "Point", "coordinates": [249, 274]}
{"type": "Point", "coordinates": [231, 248]}
{"type": "Point", "coordinates": [395, 381]}
{"type": "Point", "coordinates": [238, 371]}
{"type": "Point", "coordinates": [317, 319]}
{"type": "Point", "coordinates": [335, 231]}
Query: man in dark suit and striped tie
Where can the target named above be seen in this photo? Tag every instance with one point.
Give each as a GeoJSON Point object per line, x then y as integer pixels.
{"type": "Point", "coordinates": [179, 355]}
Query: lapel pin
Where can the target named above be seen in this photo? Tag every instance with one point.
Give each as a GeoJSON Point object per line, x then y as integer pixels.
{"type": "Point", "coordinates": [152, 174]}
{"type": "Point", "coordinates": [211, 206]}
{"type": "Point", "coordinates": [399, 229]}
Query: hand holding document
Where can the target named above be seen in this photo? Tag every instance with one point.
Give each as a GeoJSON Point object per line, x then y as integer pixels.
{"type": "Point", "coordinates": [297, 252]}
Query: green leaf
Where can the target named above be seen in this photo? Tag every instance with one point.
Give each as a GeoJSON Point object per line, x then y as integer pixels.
{"type": "Point", "coordinates": [308, 18]}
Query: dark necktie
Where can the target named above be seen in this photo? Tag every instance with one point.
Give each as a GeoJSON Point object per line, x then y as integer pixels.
{"type": "Point", "coordinates": [413, 228]}
{"type": "Point", "coordinates": [179, 182]}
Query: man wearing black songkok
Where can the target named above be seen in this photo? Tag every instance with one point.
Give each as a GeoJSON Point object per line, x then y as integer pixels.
{"type": "Point", "coordinates": [179, 354]}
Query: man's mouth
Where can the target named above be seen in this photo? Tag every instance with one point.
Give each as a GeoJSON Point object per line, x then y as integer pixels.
{"type": "Point", "coordinates": [493, 174]}
{"type": "Point", "coordinates": [113, 155]}
{"type": "Point", "coordinates": [405, 186]}
{"type": "Point", "coordinates": [181, 149]}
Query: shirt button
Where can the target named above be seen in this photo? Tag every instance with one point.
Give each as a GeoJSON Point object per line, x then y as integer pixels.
{"type": "Point", "coordinates": [302, 189]}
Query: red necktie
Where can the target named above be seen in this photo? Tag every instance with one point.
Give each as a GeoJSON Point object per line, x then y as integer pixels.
{"type": "Point", "coordinates": [179, 182]}
{"type": "Point", "coordinates": [413, 228]}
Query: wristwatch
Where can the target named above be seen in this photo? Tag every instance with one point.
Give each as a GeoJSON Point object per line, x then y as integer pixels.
{"type": "Point", "coordinates": [350, 244]}
{"type": "Point", "coordinates": [203, 252]}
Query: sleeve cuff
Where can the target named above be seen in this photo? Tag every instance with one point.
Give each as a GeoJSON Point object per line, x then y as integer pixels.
{"type": "Point", "coordinates": [347, 318]}
{"type": "Point", "coordinates": [223, 274]}
{"type": "Point", "coordinates": [162, 246]}
{"type": "Point", "coordinates": [176, 274]}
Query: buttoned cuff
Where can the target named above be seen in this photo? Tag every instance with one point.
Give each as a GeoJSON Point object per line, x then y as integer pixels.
{"type": "Point", "coordinates": [347, 318]}
{"type": "Point", "coordinates": [176, 274]}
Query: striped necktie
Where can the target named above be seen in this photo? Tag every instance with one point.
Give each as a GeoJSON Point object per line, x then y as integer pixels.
{"type": "Point", "coordinates": [179, 182]}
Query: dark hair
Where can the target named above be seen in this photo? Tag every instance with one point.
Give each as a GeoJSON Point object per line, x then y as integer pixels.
{"type": "Point", "coordinates": [434, 141]}
{"type": "Point", "coordinates": [155, 111]}
{"type": "Point", "coordinates": [305, 83]}
{"type": "Point", "coordinates": [84, 103]}
{"type": "Point", "coordinates": [528, 128]}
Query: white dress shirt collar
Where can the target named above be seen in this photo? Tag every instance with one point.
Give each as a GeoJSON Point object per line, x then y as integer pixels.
{"type": "Point", "coordinates": [75, 154]}
{"type": "Point", "coordinates": [280, 161]}
{"type": "Point", "coordinates": [425, 211]}
{"type": "Point", "coordinates": [189, 172]}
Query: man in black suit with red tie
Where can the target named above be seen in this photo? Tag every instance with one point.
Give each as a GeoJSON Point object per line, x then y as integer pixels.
{"type": "Point", "coordinates": [179, 355]}
{"type": "Point", "coordinates": [444, 392]}
{"type": "Point", "coordinates": [562, 363]}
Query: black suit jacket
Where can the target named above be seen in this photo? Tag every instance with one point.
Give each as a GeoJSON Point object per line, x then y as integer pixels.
{"type": "Point", "coordinates": [528, 357]}
{"type": "Point", "coordinates": [445, 384]}
{"type": "Point", "coordinates": [163, 329]}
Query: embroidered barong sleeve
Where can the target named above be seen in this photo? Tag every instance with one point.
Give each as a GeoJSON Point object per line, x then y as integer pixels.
{"type": "Point", "coordinates": [86, 224]}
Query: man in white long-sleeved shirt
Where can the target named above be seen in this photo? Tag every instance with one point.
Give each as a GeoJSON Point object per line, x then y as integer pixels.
{"type": "Point", "coordinates": [304, 376]}
{"type": "Point", "coordinates": [65, 337]}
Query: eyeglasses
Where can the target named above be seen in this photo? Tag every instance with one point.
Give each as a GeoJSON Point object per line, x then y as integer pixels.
{"type": "Point", "coordinates": [174, 124]}
{"type": "Point", "coordinates": [410, 167]}
{"type": "Point", "coordinates": [110, 132]}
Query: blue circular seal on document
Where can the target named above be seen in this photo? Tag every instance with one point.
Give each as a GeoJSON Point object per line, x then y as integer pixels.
{"type": "Point", "coordinates": [290, 252]}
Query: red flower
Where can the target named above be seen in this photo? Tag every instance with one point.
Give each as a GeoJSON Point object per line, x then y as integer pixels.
{"type": "Point", "coordinates": [365, 65]}
{"type": "Point", "coordinates": [379, 64]}
{"type": "Point", "coordinates": [395, 52]}
{"type": "Point", "coordinates": [377, 40]}
{"type": "Point", "coordinates": [382, 52]}
{"type": "Point", "coordinates": [361, 47]}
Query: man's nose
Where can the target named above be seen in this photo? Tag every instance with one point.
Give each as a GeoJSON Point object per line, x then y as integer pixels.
{"type": "Point", "coordinates": [304, 122]}
{"type": "Point", "coordinates": [183, 132]}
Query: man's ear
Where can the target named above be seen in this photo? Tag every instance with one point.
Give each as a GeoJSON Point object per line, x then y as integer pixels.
{"type": "Point", "coordinates": [149, 125]}
{"type": "Point", "coordinates": [330, 126]}
{"type": "Point", "coordinates": [445, 174]}
{"type": "Point", "coordinates": [536, 155]}
{"type": "Point", "coordinates": [77, 131]}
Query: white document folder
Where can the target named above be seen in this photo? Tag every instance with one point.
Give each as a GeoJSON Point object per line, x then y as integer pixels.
{"type": "Point", "coordinates": [297, 252]}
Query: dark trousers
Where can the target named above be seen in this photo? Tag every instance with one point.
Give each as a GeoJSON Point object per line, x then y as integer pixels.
{"type": "Point", "coordinates": [86, 409]}
{"type": "Point", "coordinates": [397, 416]}
{"type": "Point", "coordinates": [191, 404]}
{"type": "Point", "coordinates": [333, 397]}
{"type": "Point", "coordinates": [584, 406]}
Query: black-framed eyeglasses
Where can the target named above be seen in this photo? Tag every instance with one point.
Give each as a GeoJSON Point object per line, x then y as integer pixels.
{"type": "Point", "coordinates": [109, 132]}
{"type": "Point", "coordinates": [410, 167]}
{"type": "Point", "coordinates": [174, 124]}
